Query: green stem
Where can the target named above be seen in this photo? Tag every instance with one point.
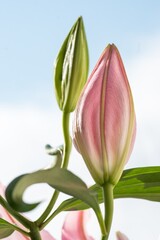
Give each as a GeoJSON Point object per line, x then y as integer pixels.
{"type": "Point", "coordinates": [104, 238]}
{"type": "Point", "coordinates": [108, 206]}
{"type": "Point", "coordinates": [48, 220]}
{"type": "Point", "coordinates": [47, 211]}
{"type": "Point", "coordinates": [20, 230]}
{"type": "Point", "coordinates": [25, 222]}
{"type": "Point", "coordinates": [34, 232]}
{"type": "Point", "coordinates": [67, 139]}
{"type": "Point", "coordinates": [101, 224]}
{"type": "Point", "coordinates": [65, 160]}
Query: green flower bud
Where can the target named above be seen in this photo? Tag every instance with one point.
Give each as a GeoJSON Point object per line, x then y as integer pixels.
{"type": "Point", "coordinates": [71, 67]}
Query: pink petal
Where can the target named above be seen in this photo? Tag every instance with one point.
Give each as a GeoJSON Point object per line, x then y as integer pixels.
{"type": "Point", "coordinates": [121, 236]}
{"type": "Point", "coordinates": [86, 128]}
{"type": "Point", "coordinates": [104, 123]}
{"type": "Point", "coordinates": [119, 116]}
{"type": "Point", "coordinates": [75, 226]}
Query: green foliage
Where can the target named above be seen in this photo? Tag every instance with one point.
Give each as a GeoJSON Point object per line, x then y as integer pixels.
{"type": "Point", "coordinates": [60, 179]}
{"type": "Point", "coordinates": [6, 228]}
{"type": "Point", "coordinates": [141, 183]}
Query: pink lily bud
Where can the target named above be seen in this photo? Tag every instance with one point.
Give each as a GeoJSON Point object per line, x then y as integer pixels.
{"type": "Point", "coordinates": [104, 123]}
{"type": "Point", "coordinates": [121, 236]}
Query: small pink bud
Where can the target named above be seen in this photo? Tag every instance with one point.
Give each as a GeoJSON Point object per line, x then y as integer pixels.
{"type": "Point", "coordinates": [121, 236]}
{"type": "Point", "coordinates": [104, 123]}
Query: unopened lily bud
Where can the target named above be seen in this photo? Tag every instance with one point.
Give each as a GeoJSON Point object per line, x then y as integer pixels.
{"type": "Point", "coordinates": [104, 123]}
{"type": "Point", "coordinates": [71, 67]}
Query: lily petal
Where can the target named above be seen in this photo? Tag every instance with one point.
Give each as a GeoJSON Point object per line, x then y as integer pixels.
{"type": "Point", "coordinates": [75, 226]}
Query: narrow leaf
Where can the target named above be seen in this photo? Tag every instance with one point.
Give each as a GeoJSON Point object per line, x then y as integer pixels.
{"type": "Point", "coordinates": [143, 183]}
{"type": "Point", "coordinates": [60, 179]}
{"type": "Point", "coordinates": [18, 204]}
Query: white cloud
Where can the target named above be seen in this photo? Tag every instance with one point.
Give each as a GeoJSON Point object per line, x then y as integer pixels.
{"type": "Point", "coordinates": [144, 74]}
{"type": "Point", "coordinates": [24, 133]}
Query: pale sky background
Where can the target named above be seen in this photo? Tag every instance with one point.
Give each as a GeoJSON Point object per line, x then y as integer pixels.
{"type": "Point", "coordinates": [31, 33]}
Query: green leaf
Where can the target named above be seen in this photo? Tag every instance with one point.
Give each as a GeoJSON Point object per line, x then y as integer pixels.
{"type": "Point", "coordinates": [60, 179]}
{"type": "Point", "coordinates": [141, 183]}
{"type": "Point", "coordinates": [6, 229]}
{"type": "Point", "coordinates": [14, 199]}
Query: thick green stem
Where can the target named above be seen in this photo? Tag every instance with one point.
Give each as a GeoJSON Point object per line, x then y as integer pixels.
{"type": "Point", "coordinates": [108, 206]}
{"type": "Point", "coordinates": [104, 238]}
{"type": "Point", "coordinates": [34, 232]}
{"type": "Point", "coordinates": [67, 139]}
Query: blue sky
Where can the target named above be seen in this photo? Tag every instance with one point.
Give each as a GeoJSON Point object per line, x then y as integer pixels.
{"type": "Point", "coordinates": [31, 33]}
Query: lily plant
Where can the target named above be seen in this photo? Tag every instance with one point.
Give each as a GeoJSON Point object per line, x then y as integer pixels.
{"type": "Point", "coordinates": [104, 130]}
